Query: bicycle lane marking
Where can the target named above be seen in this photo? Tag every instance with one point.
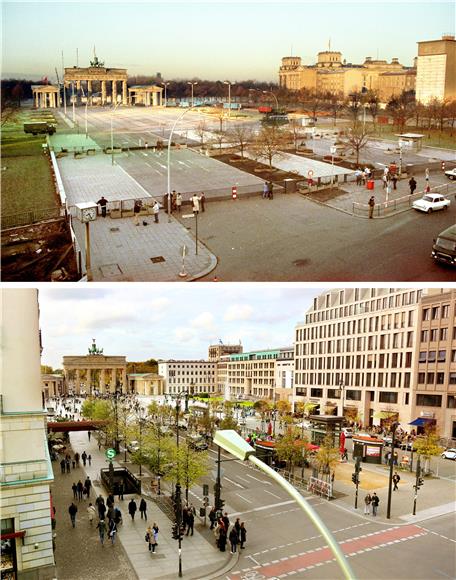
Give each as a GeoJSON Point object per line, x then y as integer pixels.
{"type": "Point", "coordinates": [323, 555]}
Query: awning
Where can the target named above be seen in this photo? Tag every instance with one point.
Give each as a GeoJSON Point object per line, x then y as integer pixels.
{"type": "Point", "coordinates": [10, 535]}
{"type": "Point", "coordinates": [421, 422]}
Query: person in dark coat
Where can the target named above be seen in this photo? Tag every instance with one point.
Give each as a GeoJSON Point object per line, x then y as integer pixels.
{"type": "Point", "coordinates": [213, 517]}
{"type": "Point", "coordinates": [121, 490]}
{"type": "Point", "coordinates": [234, 538]}
{"type": "Point", "coordinates": [87, 485]}
{"type": "Point", "coordinates": [62, 466]}
{"type": "Point", "coordinates": [237, 527]}
{"type": "Point", "coordinates": [243, 535]}
{"type": "Point", "coordinates": [396, 480]}
{"type": "Point", "coordinates": [73, 510]}
{"type": "Point", "coordinates": [226, 521]}
{"type": "Point", "coordinates": [190, 522]}
{"type": "Point", "coordinates": [412, 185]}
{"type": "Point", "coordinates": [143, 508]}
{"type": "Point", "coordinates": [74, 487]}
{"type": "Point", "coordinates": [102, 203]}
{"type": "Point", "coordinates": [222, 538]}
{"type": "Point", "coordinates": [132, 507]}
{"type": "Point", "coordinates": [80, 487]}
{"type": "Point", "coordinates": [84, 457]}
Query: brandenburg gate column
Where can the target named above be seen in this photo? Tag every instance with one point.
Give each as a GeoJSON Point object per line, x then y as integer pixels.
{"type": "Point", "coordinates": [103, 92]}
{"type": "Point", "coordinates": [124, 381]}
{"type": "Point", "coordinates": [114, 92]}
{"type": "Point", "coordinates": [102, 384]}
{"type": "Point", "coordinates": [88, 388]}
{"type": "Point", "coordinates": [78, 381]}
{"type": "Point", "coordinates": [112, 386]}
{"type": "Point", "coordinates": [89, 90]}
{"type": "Point", "coordinates": [124, 92]}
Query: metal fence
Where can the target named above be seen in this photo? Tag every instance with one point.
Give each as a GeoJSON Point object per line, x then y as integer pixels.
{"type": "Point", "coordinates": [30, 216]}
{"type": "Point", "coordinates": [400, 204]}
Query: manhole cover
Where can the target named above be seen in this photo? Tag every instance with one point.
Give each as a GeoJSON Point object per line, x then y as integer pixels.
{"type": "Point", "coordinates": [114, 229]}
{"type": "Point", "coordinates": [157, 259]}
{"type": "Point", "coordinates": [109, 270]}
{"type": "Point", "coordinates": [301, 263]}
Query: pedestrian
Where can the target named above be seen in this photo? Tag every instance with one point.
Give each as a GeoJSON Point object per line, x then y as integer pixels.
{"type": "Point", "coordinates": [87, 485]}
{"type": "Point", "coordinates": [132, 507]}
{"type": "Point", "coordinates": [190, 521]}
{"type": "Point", "coordinates": [412, 185]}
{"type": "Point", "coordinates": [136, 209]}
{"type": "Point", "coordinates": [226, 521]}
{"type": "Point", "coordinates": [110, 513]}
{"type": "Point", "coordinates": [426, 174]}
{"type": "Point", "coordinates": [358, 176]}
{"type": "Point", "coordinates": [148, 537]}
{"type": "Point", "coordinates": [121, 490]}
{"type": "Point", "coordinates": [112, 531]}
{"type": "Point", "coordinates": [118, 516]}
{"type": "Point", "coordinates": [202, 200]}
{"type": "Point", "coordinates": [394, 179]}
{"type": "Point", "coordinates": [143, 508]}
{"type": "Point", "coordinates": [367, 503]}
{"type": "Point", "coordinates": [173, 201]}
{"type": "Point", "coordinates": [213, 517]}
{"type": "Point", "coordinates": [384, 180]}
{"type": "Point", "coordinates": [84, 457]}
{"type": "Point", "coordinates": [243, 535]}
{"type": "Point", "coordinates": [156, 210]}
{"type": "Point", "coordinates": [222, 538]}
{"type": "Point", "coordinates": [91, 512]}
{"type": "Point", "coordinates": [178, 202]}
{"type": "Point", "coordinates": [195, 203]}
{"type": "Point", "coordinates": [344, 455]}
{"type": "Point", "coordinates": [101, 510]}
{"type": "Point", "coordinates": [89, 458]}
{"type": "Point", "coordinates": [110, 500]}
{"type": "Point", "coordinates": [375, 501]}
{"type": "Point", "coordinates": [153, 542]}
{"type": "Point", "coordinates": [89, 434]}
{"type": "Point", "coordinates": [80, 487]}
{"type": "Point", "coordinates": [396, 480]}
{"type": "Point", "coordinates": [62, 466]}
{"type": "Point", "coordinates": [371, 204]}
{"type": "Point", "coordinates": [73, 510]}
{"type": "Point", "coordinates": [265, 190]}
{"type": "Point", "coordinates": [74, 463]}
{"type": "Point", "coordinates": [77, 458]}
{"type": "Point", "coordinates": [270, 190]}
{"type": "Point", "coordinates": [388, 190]}
{"type": "Point", "coordinates": [237, 527]}
{"type": "Point", "coordinates": [102, 203]}
{"type": "Point", "coordinates": [234, 538]}
{"type": "Point", "coordinates": [101, 526]}
{"type": "Point", "coordinates": [74, 487]}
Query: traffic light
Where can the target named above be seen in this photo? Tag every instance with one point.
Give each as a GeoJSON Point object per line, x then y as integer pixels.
{"type": "Point", "coordinates": [355, 478]}
{"type": "Point", "coordinates": [420, 481]}
{"type": "Point", "coordinates": [234, 192]}
{"type": "Point", "coordinates": [175, 532]}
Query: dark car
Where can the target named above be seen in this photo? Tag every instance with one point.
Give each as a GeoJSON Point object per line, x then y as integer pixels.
{"type": "Point", "coordinates": [197, 443]}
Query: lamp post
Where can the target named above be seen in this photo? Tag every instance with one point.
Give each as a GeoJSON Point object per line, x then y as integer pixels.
{"type": "Point", "coordinates": [229, 95]}
{"type": "Point", "coordinates": [390, 479]}
{"type": "Point", "coordinates": [166, 98]}
{"type": "Point", "coordinates": [112, 133]}
{"type": "Point", "coordinates": [276, 100]}
{"type": "Point", "coordinates": [193, 84]}
{"type": "Point", "coordinates": [233, 443]}
{"type": "Point", "coordinates": [342, 392]}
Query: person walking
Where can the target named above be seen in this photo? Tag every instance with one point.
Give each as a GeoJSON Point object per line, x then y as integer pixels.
{"type": "Point", "coordinates": [375, 501]}
{"type": "Point", "coordinates": [91, 512]}
{"type": "Point", "coordinates": [76, 458]}
{"type": "Point", "coordinates": [143, 508]}
{"type": "Point", "coordinates": [80, 487]}
{"type": "Point", "coordinates": [73, 510]}
{"type": "Point", "coordinates": [396, 480]}
{"type": "Point", "coordinates": [222, 538]}
{"type": "Point", "coordinates": [101, 527]}
{"type": "Point", "coordinates": [178, 202]}
{"type": "Point", "coordinates": [265, 190]}
{"type": "Point", "coordinates": [89, 435]}
{"type": "Point", "coordinates": [202, 201]}
{"type": "Point", "coordinates": [84, 457]}
{"type": "Point", "coordinates": [426, 174]}
{"type": "Point", "coordinates": [154, 538]}
{"type": "Point", "coordinates": [367, 504]}
{"type": "Point", "coordinates": [412, 185]}
{"type": "Point", "coordinates": [234, 539]}
{"type": "Point", "coordinates": [190, 521]}
{"type": "Point", "coordinates": [156, 211]}
{"type": "Point", "coordinates": [195, 203]}
{"type": "Point", "coordinates": [226, 521]}
{"type": "Point", "coordinates": [121, 490]}
{"type": "Point", "coordinates": [371, 204]}
{"type": "Point", "coordinates": [394, 180]}
{"type": "Point", "coordinates": [102, 203]}
{"type": "Point", "coordinates": [101, 510]}
{"type": "Point", "coordinates": [358, 176]}
{"type": "Point", "coordinates": [74, 487]}
{"type": "Point", "coordinates": [89, 458]}
{"type": "Point", "coordinates": [136, 209]}
{"type": "Point", "coordinates": [237, 527]}
{"type": "Point", "coordinates": [118, 516]}
{"type": "Point", "coordinates": [88, 486]}
{"type": "Point", "coordinates": [242, 535]}
{"type": "Point", "coordinates": [270, 190]}
{"type": "Point", "coordinates": [62, 466]}
{"type": "Point", "coordinates": [213, 517]}
{"type": "Point", "coordinates": [148, 537]}
{"type": "Point", "coordinates": [112, 531]}
{"type": "Point", "coordinates": [132, 507]}
{"type": "Point", "coordinates": [67, 465]}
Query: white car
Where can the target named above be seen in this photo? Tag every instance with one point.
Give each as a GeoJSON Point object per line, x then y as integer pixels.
{"type": "Point", "coordinates": [133, 446]}
{"type": "Point", "coordinates": [348, 432]}
{"type": "Point", "coordinates": [451, 174]}
{"type": "Point", "coordinates": [431, 202]}
{"type": "Point", "coordinates": [449, 454]}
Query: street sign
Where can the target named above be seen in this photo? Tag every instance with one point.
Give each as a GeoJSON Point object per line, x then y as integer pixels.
{"type": "Point", "coordinates": [333, 150]}
{"type": "Point", "coordinates": [184, 251]}
{"type": "Point", "coordinates": [110, 453]}
{"type": "Point", "coordinates": [186, 216]}
{"type": "Point", "coordinates": [310, 173]}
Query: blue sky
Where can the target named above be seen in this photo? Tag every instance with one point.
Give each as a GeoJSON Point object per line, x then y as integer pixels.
{"type": "Point", "coordinates": [213, 40]}
{"type": "Point", "coordinates": [143, 321]}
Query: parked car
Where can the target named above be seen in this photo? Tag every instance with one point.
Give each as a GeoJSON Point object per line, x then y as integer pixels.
{"type": "Point", "coordinates": [197, 443]}
{"type": "Point", "coordinates": [407, 446]}
{"type": "Point", "coordinates": [431, 202]}
{"type": "Point", "coordinates": [133, 446]}
{"type": "Point", "coordinates": [444, 248]}
{"type": "Point", "coordinates": [449, 454]}
{"type": "Point", "coordinates": [304, 425]}
{"type": "Point", "coordinates": [451, 173]}
{"type": "Point", "coordinates": [348, 432]}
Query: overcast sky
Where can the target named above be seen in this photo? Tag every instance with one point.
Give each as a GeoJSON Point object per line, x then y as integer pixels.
{"type": "Point", "coordinates": [143, 321]}
{"type": "Point", "coordinates": [236, 40]}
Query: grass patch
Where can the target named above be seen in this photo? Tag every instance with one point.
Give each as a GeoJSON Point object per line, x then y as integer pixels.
{"type": "Point", "coordinates": [432, 137]}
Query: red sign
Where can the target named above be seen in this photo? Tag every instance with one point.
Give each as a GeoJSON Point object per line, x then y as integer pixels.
{"type": "Point", "coordinates": [234, 192]}
{"type": "Point", "coordinates": [373, 450]}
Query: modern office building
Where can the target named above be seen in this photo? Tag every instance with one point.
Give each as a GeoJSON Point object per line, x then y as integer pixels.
{"type": "Point", "coordinates": [194, 376]}
{"type": "Point", "coordinates": [436, 69]}
{"type": "Point", "coordinates": [25, 466]}
{"type": "Point", "coordinates": [332, 74]}
{"type": "Point", "coordinates": [359, 349]}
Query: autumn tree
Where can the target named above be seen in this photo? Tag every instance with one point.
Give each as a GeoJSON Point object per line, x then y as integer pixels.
{"type": "Point", "coordinates": [189, 466]}
{"type": "Point", "coordinates": [372, 103]}
{"type": "Point", "coordinates": [427, 446]}
{"type": "Point", "coordinates": [327, 457]}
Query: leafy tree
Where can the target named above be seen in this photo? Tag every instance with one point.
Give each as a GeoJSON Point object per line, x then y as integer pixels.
{"type": "Point", "coordinates": [268, 143]}
{"type": "Point", "coordinates": [283, 407]}
{"type": "Point", "coordinates": [46, 370]}
{"type": "Point", "coordinates": [148, 366]}
{"type": "Point", "coordinates": [228, 422]}
{"type": "Point", "coordinates": [289, 448]}
{"type": "Point", "coordinates": [189, 466]}
{"type": "Point", "coordinates": [327, 457]}
{"type": "Point", "coordinates": [158, 450]}
{"type": "Point", "coordinates": [427, 445]}
{"type": "Point", "coordinates": [101, 410]}
{"type": "Point", "coordinates": [263, 407]}
{"type": "Point", "coordinates": [240, 136]}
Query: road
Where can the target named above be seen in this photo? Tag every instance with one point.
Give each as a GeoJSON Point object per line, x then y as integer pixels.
{"type": "Point", "coordinates": [281, 541]}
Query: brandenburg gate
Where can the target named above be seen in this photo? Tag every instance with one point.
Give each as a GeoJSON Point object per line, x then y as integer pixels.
{"type": "Point", "coordinates": [97, 72]}
{"type": "Point", "coordinates": [98, 372]}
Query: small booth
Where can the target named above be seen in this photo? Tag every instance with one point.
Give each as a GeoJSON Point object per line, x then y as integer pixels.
{"type": "Point", "coordinates": [323, 425]}
{"type": "Point", "coordinates": [411, 141]}
{"type": "Point", "coordinates": [369, 449]}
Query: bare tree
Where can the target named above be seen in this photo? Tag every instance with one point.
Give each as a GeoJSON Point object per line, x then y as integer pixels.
{"type": "Point", "coordinates": [268, 143]}
{"type": "Point", "coordinates": [219, 137]}
{"type": "Point", "coordinates": [451, 112]}
{"type": "Point", "coordinates": [372, 103]}
{"type": "Point", "coordinates": [295, 129]}
{"type": "Point", "coordinates": [354, 105]}
{"type": "Point", "coordinates": [201, 131]}
{"type": "Point", "coordinates": [402, 109]}
{"type": "Point", "coordinates": [240, 136]}
{"type": "Point", "coordinates": [336, 104]}
{"type": "Point", "coordinates": [356, 139]}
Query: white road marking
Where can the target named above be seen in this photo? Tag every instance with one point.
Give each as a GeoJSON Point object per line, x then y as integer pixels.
{"type": "Point", "coordinates": [264, 507]}
{"type": "Point", "coordinates": [242, 478]}
{"type": "Point", "coordinates": [260, 480]}
{"type": "Point", "coordinates": [226, 478]}
{"type": "Point", "coordinates": [133, 179]}
{"type": "Point", "coordinates": [244, 498]}
{"type": "Point", "coordinates": [273, 494]}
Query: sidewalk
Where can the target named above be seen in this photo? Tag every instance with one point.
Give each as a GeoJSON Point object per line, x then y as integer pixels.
{"type": "Point", "coordinates": [200, 558]}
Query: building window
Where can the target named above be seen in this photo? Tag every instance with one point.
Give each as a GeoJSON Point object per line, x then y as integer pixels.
{"type": "Point", "coordinates": [430, 378]}
{"type": "Point", "coordinates": [353, 395]}
{"type": "Point", "coordinates": [435, 313]}
{"type": "Point", "coordinates": [451, 402]}
{"type": "Point", "coordinates": [316, 392]}
{"type": "Point", "coordinates": [444, 334]}
{"type": "Point", "coordinates": [431, 356]}
{"type": "Point", "coordinates": [442, 356]}
{"type": "Point", "coordinates": [421, 378]}
{"type": "Point", "coordinates": [445, 310]}
{"type": "Point", "coordinates": [429, 400]}
{"type": "Point", "coordinates": [424, 335]}
{"type": "Point", "coordinates": [387, 397]}
{"type": "Point", "coordinates": [434, 334]}
{"type": "Point", "coordinates": [440, 378]}
{"type": "Point", "coordinates": [426, 314]}
{"type": "Point", "coordinates": [452, 379]}
{"type": "Point", "coordinates": [422, 358]}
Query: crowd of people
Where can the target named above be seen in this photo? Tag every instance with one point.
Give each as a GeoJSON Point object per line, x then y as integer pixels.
{"type": "Point", "coordinates": [237, 536]}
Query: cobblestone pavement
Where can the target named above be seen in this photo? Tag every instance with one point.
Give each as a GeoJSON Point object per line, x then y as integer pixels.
{"type": "Point", "coordinates": [79, 554]}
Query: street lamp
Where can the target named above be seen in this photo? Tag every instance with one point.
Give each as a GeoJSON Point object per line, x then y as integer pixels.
{"type": "Point", "coordinates": [229, 95]}
{"type": "Point", "coordinates": [166, 85]}
{"type": "Point", "coordinates": [342, 391]}
{"type": "Point", "coordinates": [193, 84]}
{"type": "Point", "coordinates": [232, 442]}
{"type": "Point", "coordinates": [276, 100]}
{"type": "Point", "coordinates": [391, 462]}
